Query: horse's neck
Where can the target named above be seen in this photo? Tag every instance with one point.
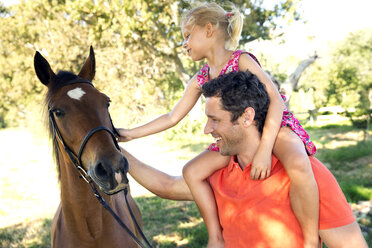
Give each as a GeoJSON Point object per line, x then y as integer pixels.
{"type": "Point", "coordinates": [80, 208]}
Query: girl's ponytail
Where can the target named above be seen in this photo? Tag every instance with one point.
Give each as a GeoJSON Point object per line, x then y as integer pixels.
{"type": "Point", "coordinates": [234, 28]}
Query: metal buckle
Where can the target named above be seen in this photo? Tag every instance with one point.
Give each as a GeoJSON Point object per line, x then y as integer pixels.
{"type": "Point", "coordinates": [84, 174]}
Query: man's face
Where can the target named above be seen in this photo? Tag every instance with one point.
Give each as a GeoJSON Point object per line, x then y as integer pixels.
{"type": "Point", "coordinates": [228, 135]}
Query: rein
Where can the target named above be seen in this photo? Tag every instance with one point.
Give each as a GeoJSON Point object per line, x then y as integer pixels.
{"type": "Point", "coordinates": [76, 161]}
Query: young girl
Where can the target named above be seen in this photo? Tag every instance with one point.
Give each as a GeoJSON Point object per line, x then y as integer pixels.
{"type": "Point", "coordinates": [211, 33]}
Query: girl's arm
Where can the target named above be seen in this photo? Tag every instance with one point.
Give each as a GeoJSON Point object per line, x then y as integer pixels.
{"type": "Point", "coordinates": [261, 164]}
{"type": "Point", "coordinates": [179, 111]}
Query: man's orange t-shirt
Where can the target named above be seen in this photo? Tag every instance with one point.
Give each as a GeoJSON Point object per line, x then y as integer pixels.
{"type": "Point", "coordinates": [255, 213]}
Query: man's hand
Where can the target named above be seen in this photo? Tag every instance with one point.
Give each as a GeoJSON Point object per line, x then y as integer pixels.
{"type": "Point", "coordinates": [261, 165]}
{"type": "Point", "coordinates": [156, 181]}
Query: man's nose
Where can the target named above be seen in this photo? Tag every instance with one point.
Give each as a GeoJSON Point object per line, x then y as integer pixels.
{"type": "Point", "coordinates": [184, 44]}
{"type": "Point", "coordinates": [208, 128]}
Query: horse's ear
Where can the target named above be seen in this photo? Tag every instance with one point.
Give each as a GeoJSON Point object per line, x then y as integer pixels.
{"type": "Point", "coordinates": [42, 69]}
{"type": "Point", "coordinates": [89, 68]}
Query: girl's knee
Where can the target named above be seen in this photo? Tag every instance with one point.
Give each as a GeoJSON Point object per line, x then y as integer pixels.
{"type": "Point", "coordinates": [193, 171]}
{"type": "Point", "coordinates": [298, 166]}
{"type": "Point", "coordinates": [188, 171]}
{"type": "Point", "coordinates": [300, 162]}
{"type": "Point", "coordinates": [204, 165]}
{"type": "Point", "coordinates": [290, 149]}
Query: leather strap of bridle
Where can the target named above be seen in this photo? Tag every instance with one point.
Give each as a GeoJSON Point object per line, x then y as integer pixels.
{"type": "Point", "coordinates": [79, 80]}
{"type": "Point", "coordinates": [76, 161]}
{"type": "Point", "coordinates": [117, 218]}
{"type": "Point", "coordinates": [89, 134]}
{"type": "Point", "coordinates": [134, 218]}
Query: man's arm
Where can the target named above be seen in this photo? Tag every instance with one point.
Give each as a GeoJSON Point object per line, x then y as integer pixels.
{"type": "Point", "coordinates": [158, 182]}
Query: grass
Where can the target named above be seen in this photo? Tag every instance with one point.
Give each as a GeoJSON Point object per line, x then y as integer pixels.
{"type": "Point", "coordinates": [355, 192]}
{"type": "Point", "coordinates": [349, 158]}
{"type": "Point", "coordinates": [171, 223]}
{"type": "Point", "coordinates": [25, 219]}
{"type": "Point", "coordinates": [34, 234]}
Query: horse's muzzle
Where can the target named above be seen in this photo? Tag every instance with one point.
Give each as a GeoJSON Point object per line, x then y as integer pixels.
{"type": "Point", "coordinates": [108, 177]}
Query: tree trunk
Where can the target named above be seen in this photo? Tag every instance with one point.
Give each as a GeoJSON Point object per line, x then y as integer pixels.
{"type": "Point", "coordinates": [369, 112]}
{"type": "Point", "coordinates": [292, 83]}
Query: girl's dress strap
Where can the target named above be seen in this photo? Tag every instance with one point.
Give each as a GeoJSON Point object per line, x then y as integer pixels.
{"type": "Point", "coordinates": [202, 77]}
{"type": "Point", "coordinates": [232, 65]}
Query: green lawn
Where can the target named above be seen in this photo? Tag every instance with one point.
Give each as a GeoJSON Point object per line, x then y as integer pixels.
{"type": "Point", "coordinates": [178, 224]}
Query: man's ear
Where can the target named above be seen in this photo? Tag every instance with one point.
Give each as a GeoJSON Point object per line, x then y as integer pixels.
{"type": "Point", "coordinates": [248, 116]}
{"type": "Point", "coordinates": [210, 29]}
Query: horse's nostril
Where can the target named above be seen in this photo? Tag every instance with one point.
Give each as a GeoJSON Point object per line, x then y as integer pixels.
{"type": "Point", "coordinates": [125, 164]}
{"type": "Point", "coordinates": [100, 170]}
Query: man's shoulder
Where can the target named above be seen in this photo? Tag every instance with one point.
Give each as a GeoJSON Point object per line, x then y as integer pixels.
{"type": "Point", "coordinates": [223, 169]}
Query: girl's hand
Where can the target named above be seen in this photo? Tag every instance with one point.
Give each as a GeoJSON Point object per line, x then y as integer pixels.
{"type": "Point", "coordinates": [125, 135]}
{"type": "Point", "coordinates": [261, 164]}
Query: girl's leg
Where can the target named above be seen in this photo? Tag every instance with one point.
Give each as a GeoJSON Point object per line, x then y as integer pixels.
{"type": "Point", "coordinates": [303, 192]}
{"type": "Point", "coordinates": [195, 173]}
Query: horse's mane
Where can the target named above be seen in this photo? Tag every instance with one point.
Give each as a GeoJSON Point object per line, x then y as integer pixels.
{"type": "Point", "coordinates": [61, 79]}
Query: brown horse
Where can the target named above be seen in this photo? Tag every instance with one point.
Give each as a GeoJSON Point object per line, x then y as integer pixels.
{"type": "Point", "coordinates": [75, 109]}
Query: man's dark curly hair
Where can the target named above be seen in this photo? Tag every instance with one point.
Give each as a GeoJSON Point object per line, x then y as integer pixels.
{"type": "Point", "coordinates": [238, 91]}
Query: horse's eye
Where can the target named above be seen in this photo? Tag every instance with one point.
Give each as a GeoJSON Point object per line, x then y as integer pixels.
{"type": "Point", "coordinates": [58, 113]}
{"type": "Point", "coordinates": [108, 103]}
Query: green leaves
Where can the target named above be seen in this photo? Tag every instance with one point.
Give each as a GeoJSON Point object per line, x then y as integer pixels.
{"type": "Point", "coordinates": [140, 61]}
{"type": "Point", "coordinates": [351, 75]}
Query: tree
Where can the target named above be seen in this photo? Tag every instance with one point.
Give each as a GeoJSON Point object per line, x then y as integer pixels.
{"type": "Point", "coordinates": [291, 84]}
{"type": "Point", "coordinates": [350, 77]}
{"type": "Point", "coordinates": [138, 44]}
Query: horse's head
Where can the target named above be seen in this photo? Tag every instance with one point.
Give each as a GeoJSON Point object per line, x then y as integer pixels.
{"type": "Point", "coordinates": [81, 126]}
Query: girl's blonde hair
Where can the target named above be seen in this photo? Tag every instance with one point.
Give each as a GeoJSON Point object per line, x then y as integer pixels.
{"type": "Point", "coordinates": [229, 22]}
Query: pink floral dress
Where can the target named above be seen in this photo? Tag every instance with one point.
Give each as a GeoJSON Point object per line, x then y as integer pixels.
{"type": "Point", "coordinates": [288, 118]}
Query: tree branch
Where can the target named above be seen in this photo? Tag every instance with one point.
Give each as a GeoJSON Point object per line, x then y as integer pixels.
{"type": "Point", "coordinates": [291, 84]}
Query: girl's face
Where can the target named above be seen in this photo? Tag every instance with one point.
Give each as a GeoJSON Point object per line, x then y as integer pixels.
{"type": "Point", "coordinates": [194, 41]}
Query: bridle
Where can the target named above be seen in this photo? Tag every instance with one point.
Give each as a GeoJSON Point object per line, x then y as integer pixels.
{"type": "Point", "coordinates": [76, 161]}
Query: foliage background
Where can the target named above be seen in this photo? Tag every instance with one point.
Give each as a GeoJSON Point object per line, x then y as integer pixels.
{"type": "Point", "coordinates": [142, 67]}
{"type": "Point", "coordinates": [140, 62]}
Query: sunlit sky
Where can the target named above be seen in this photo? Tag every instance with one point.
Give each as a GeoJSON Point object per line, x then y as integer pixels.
{"type": "Point", "coordinates": [326, 20]}
{"type": "Point", "coordinates": [332, 19]}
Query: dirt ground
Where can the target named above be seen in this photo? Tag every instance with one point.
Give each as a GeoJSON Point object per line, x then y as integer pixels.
{"type": "Point", "coordinates": [28, 179]}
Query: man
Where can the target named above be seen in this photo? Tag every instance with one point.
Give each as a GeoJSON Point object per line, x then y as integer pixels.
{"type": "Point", "coordinates": [254, 213]}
